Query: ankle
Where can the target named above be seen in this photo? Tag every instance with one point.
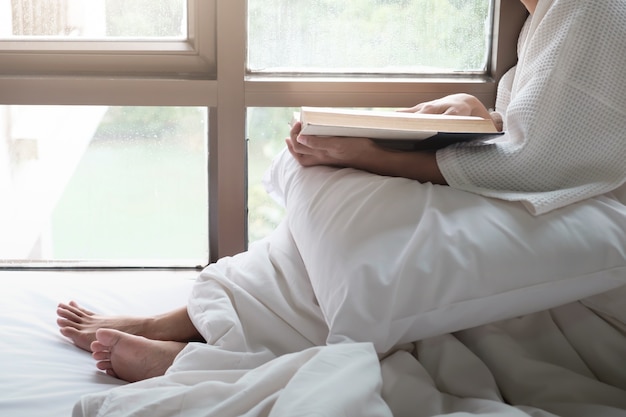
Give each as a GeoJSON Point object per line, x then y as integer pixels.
{"type": "Point", "coordinates": [175, 327]}
{"type": "Point", "coordinates": [150, 328]}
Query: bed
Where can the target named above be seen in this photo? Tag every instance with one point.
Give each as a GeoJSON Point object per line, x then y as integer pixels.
{"type": "Point", "coordinates": [365, 312]}
{"type": "Point", "coordinates": [44, 374]}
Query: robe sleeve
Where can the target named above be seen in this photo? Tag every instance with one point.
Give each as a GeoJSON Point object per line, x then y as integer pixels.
{"type": "Point", "coordinates": [566, 119]}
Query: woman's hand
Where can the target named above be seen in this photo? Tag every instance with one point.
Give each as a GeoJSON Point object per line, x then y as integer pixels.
{"type": "Point", "coordinates": [333, 151]}
{"type": "Point", "coordinates": [455, 104]}
{"type": "Point", "coordinates": [363, 154]}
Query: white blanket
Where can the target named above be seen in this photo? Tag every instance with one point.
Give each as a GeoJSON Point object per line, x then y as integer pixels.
{"type": "Point", "coordinates": [259, 315]}
{"type": "Point", "coordinates": [263, 325]}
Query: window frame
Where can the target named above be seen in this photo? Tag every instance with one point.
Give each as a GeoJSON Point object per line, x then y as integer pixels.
{"type": "Point", "coordinates": [193, 57]}
{"type": "Point", "coordinates": [210, 71]}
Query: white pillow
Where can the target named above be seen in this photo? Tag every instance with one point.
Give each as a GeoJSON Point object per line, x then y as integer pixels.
{"type": "Point", "coordinates": [392, 260]}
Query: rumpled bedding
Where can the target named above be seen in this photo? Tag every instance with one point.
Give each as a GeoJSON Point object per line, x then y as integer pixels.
{"type": "Point", "coordinates": [263, 361]}
{"type": "Point", "coordinates": [269, 350]}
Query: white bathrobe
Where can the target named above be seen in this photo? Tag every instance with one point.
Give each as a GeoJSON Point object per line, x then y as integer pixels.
{"type": "Point", "coordinates": [566, 119]}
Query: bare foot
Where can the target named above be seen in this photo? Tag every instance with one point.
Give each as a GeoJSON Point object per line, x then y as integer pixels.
{"type": "Point", "coordinates": [80, 325]}
{"type": "Point", "coordinates": [133, 358]}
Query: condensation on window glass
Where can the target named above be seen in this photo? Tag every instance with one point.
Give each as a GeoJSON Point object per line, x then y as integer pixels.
{"type": "Point", "coordinates": [93, 19]}
{"type": "Point", "coordinates": [114, 184]}
{"type": "Point", "coordinates": [369, 36]}
{"type": "Point", "coordinates": [267, 128]}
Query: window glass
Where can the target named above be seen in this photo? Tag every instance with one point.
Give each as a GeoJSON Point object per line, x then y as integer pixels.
{"type": "Point", "coordinates": [93, 19]}
{"type": "Point", "coordinates": [267, 128]}
{"type": "Point", "coordinates": [92, 183]}
{"type": "Point", "coordinates": [370, 36]}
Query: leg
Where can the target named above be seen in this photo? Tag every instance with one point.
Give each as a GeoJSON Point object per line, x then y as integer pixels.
{"type": "Point", "coordinates": [133, 358]}
{"type": "Point", "coordinates": [80, 325]}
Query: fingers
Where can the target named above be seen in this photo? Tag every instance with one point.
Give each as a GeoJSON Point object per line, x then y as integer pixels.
{"type": "Point", "coordinates": [438, 107]}
{"type": "Point", "coordinates": [296, 144]}
{"type": "Point", "coordinates": [428, 107]}
{"type": "Point", "coordinates": [296, 155]}
{"type": "Point", "coordinates": [302, 154]}
{"type": "Point", "coordinates": [454, 104]}
{"type": "Point", "coordinates": [307, 145]}
{"type": "Point", "coordinates": [294, 147]}
{"type": "Point", "coordinates": [452, 111]}
{"type": "Point", "coordinates": [413, 109]}
{"type": "Point", "coordinates": [295, 130]}
{"type": "Point", "coordinates": [327, 150]}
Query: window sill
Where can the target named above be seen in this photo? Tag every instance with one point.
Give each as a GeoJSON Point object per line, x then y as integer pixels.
{"type": "Point", "coordinates": [362, 91]}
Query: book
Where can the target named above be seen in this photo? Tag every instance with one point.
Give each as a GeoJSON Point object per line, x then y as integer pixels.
{"type": "Point", "coordinates": [401, 130]}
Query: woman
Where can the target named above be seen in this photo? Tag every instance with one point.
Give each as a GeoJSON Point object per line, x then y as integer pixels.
{"type": "Point", "coordinates": [564, 143]}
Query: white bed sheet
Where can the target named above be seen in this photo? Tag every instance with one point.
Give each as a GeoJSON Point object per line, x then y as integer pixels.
{"type": "Point", "coordinates": [41, 372]}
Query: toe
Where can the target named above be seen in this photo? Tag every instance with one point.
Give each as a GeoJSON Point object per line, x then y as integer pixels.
{"type": "Point", "coordinates": [69, 314]}
{"type": "Point", "coordinates": [65, 323]}
{"type": "Point", "coordinates": [96, 346]}
{"type": "Point", "coordinates": [104, 365]}
{"type": "Point", "coordinates": [67, 331]}
{"type": "Point", "coordinates": [107, 367]}
{"type": "Point", "coordinates": [108, 337]}
{"type": "Point", "coordinates": [75, 305]}
{"type": "Point", "coordinates": [101, 355]}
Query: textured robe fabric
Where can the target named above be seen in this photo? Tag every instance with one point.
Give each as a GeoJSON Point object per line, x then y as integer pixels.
{"type": "Point", "coordinates": [566, 118]}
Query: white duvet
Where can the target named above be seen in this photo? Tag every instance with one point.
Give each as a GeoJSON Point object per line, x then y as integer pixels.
{"type": "Point", "coordinates": [567, 361]}
{"type": "Point", "coordinates": [277, 345]}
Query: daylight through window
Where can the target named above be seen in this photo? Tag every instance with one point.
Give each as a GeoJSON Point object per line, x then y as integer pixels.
{"type": "Point", "coordinates": [93, 19]}
{"type": "Point", "coordinates": [122, 185]}
{"type": "Point", "coordinates": [369, 36]}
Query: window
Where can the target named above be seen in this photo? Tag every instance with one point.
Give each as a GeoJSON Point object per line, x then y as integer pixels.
{"type": "Point", "coordinates": [267, 127]}
{"type": "Point", "coordinates": [103, 149]}
{"type": "Point", "coordinates": [113, 37]}
{"type": "Point", "coordinates": [96, 19]}
{"type": "Point", "coordinates": [104, 185]}
{"type": "Point", "coordinates": [221, 77]}
{"type": "Point", "coordinates": [369, 36]}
